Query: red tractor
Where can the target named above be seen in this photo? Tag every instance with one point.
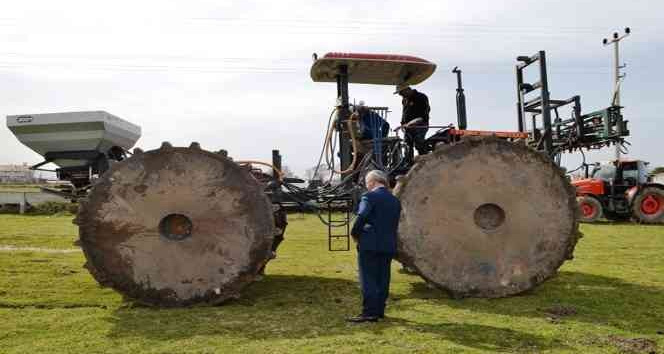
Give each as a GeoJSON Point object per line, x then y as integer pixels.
{"type": "Point", "coordinates": [620, 190]}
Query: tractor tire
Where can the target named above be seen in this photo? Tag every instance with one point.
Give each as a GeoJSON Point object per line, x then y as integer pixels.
{"type": "Point", "coordinates": [176, 227]}
{"type": "Point", "coordinates": [486, 218]}
{"type": "Point", "coordinates": [591, 209]}
{"type": "Point", "coordinates": [648, 206]}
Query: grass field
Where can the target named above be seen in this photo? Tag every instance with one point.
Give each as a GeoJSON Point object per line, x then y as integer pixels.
{"type": "Point", "coordinates": [609, 299]}
{"type": "Point", "coordinates": [19, 187]}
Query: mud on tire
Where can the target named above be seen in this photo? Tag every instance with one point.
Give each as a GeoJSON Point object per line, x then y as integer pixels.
{"type": "Point", "coordinates": [590, 207]}
{"type": "Point", "coordinates": [486, 218]}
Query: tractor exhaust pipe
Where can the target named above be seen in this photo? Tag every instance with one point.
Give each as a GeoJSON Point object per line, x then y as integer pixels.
{"type": "Point", "coordinates": [460, 101]}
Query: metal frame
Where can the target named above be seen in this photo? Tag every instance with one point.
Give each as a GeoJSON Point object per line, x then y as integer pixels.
{"type": "Point", "coordinates": [343, 114]}
{"type": "Point", "coordinates": [593, 130]}
{"type": "Point", "coordinates": [95, 163]}
{"type": "Point", "coordinates": [539, 105]}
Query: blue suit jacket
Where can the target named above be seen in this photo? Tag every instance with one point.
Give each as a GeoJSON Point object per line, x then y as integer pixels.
{"type": "Point", "coordinates": [377, 221]}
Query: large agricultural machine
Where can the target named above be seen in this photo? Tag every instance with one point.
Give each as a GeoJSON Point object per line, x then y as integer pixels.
{"type": "Point", "coordinates": [620, 190]}
{"type": "Point", "coordinates": [485, 214]}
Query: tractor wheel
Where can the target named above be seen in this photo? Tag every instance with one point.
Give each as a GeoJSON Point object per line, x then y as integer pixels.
{"type": "Point", "coordinates": [486, 218]}
{"type": "Point", "coordinates": [648, 206]}
{"type": "Point", "coordinates": [590, 207]}
{"type": "Point", "coordinates": [175, 227]}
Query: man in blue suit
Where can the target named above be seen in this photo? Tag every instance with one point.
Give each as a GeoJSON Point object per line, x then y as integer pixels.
{"type": "Point", "coordinates": [375, 230]}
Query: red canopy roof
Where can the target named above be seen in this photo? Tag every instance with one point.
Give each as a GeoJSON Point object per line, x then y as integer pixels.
{"type": "Point", "coordinates": [380, 69]}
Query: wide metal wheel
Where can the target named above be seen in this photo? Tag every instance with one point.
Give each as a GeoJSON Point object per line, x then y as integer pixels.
{"type": "Point", "coordinates": [486, 218]}
{"type": "Point", "coordinates": [176, 226]}
{"type": "Point", "coordinates": [590, 207]}
{"type": "Point", "coordinates": [648, 205]}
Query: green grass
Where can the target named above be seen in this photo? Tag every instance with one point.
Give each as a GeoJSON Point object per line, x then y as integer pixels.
{"type": "Point", "coordinates": [55, 231]}
{"type": "Point", "coordinates": [19, 187]}
{"type": "Point", "coordinates": [49, 303]}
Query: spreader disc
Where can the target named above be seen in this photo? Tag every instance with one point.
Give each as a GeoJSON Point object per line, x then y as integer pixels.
{"type": "Point", "coordinates": [176, 226]}
{"type": "Point", "coordinates": [486, 218]}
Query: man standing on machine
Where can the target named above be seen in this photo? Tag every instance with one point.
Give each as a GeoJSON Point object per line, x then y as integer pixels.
{"type": "Point", "coordinates": [414, 119]}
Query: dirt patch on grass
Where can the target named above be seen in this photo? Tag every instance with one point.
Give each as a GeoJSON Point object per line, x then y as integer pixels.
{"type": "Point", "coordinates": [49, 306]}
{"type": "Point", "coordinates": [561, 310]}
{"type": "Point", "coordinates": [633, 345]}
{"type": "Point", "coordinates": [556, 313]}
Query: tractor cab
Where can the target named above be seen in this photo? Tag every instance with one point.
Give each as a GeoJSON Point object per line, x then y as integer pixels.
{"type": "Point", "coordinates": [620, 173]}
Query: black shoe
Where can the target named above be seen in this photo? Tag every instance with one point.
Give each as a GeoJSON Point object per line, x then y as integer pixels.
{"type": "Point", "coordinates": [362, 318]}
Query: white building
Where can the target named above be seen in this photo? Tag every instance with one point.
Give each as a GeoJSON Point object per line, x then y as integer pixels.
{"type": "Point", "coordinates": [323, 174]}
{"type": "Point", "coordinates": [16, 174]}
{"type": "Point", "coordinates": [658, 178]}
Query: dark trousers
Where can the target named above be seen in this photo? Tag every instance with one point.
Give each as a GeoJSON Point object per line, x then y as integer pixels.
{"type": "Point", "coordinates": [375, 281]}
{"type": "Point", "coordinates": [416, 138]}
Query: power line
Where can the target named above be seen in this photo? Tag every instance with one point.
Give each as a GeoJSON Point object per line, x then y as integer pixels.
{"type": "Point", "coordinates": [155, 68]}
{"type": "Point", "coordinates": [359, 22]}
{"type": "Point", "coordinates": [151, 56]}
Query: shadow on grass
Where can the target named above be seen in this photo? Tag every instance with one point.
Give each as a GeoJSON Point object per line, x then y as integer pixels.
{"type": "Point", "coordinates": [483, 337]}
{"type": "Point", "coordinates": [597, 299]}
{"type": "Point", "coordinates": [294, 307]}
{"type": "Point", "coordinates": [605, 222]}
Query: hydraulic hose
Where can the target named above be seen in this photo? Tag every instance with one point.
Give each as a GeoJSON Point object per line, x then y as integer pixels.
{"type": "Point", "coordinates": [354, 143]}
{"type": "Point", "coordinates": [322, 151]}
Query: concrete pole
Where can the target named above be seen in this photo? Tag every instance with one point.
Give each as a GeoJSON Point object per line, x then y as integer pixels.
{"type": "Point", "coordinates": [616, 57]}
{"type": "Point", "coordinates": [616, 73]}
{"type": "Point", "coordinates": [615, 100]}
{"type": "Point", "coordinates": [22, 204]}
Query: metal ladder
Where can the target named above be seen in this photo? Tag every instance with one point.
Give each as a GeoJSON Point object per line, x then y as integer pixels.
{"type": "Point", "coordinates": [339, 241]}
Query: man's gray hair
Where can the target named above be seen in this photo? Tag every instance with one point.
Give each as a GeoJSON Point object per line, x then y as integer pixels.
{"type": "Point", "coordinates": [377, 176]}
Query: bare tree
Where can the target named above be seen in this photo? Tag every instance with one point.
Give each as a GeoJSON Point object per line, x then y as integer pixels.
{"type": "Point", "coordinates": [287, 172]}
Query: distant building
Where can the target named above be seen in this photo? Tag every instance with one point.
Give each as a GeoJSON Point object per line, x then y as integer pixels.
{"type": "Point", "coordinates": [658, 177]}
{"type": "Point", "coordinates": [16, 174]}
{"type": "Point", "coordinates": [322, 173]}
{"type": "Point", "coordinates": [577, 176]}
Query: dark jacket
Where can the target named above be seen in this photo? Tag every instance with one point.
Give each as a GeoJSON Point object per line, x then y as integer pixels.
{"type": "Point", "coordinates": [377, 221]}
{"type": "Point", "coordinates": [415, 106]}
{"type": "Point", "coordinates": [373, 126]}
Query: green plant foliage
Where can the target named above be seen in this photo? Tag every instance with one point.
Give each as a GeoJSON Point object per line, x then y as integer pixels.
{"type": "Point", "coordinates": [52, 208]}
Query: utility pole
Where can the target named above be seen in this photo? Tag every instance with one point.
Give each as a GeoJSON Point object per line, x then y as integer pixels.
{"type": "Point", "coordinates": [615, 100]}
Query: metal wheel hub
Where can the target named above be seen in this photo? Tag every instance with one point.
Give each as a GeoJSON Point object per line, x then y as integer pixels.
{"type": "Point", "coordinates": [651, 204]}
{"type": "Point", "coordinates": [175, 227]}
{"type": "Point", "coordinates": [489, 216]}
{"type": "Point", "coordinates": [587, 209]}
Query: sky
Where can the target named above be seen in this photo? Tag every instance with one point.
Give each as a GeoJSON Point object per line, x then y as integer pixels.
{"type": "Point", "coordinates": [235, 74]}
